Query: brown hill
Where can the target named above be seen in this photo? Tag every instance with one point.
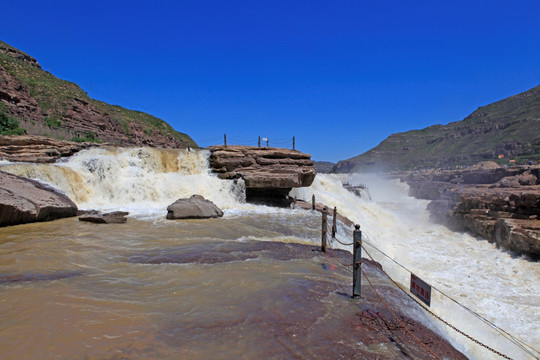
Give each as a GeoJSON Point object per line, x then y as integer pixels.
{"type": "Point", "coordinates": [35, 102]}
{"type": "Point", "coordinates": [510, 127]}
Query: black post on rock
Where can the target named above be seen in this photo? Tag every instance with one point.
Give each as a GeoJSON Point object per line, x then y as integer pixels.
{"type": "Point", "coordinates": [259, 142]}
{"type": "Point", "coordinates": [225, 139]}
{"type": "Point", "coordinates": [334, 223]}
{"type": "Point", "coordinates": [313, 202]}
{"type": "Point", "coordinates": [357, 258]}
{"type": "Point", "coordinates": [324, 229]}
{"type": "Point", "coordinates": [293, 143]}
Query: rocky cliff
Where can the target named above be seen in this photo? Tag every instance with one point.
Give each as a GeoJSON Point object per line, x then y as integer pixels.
{"type": "Point", "coordinates": [35, 102]}
{"type": "Point", "coordinates": [501, 205]}
{"type": "Point", "coordinates": [38, 149]}
{"type": "Point", "coordinates": [269, 173]}
{"type": "Point", "coordinates": [510, 127]}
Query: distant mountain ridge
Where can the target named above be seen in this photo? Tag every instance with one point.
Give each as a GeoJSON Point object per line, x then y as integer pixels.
{"type": "Point", "coordinates": [35, 102]}
{"type": "Point", "coordinates": [509, 127]}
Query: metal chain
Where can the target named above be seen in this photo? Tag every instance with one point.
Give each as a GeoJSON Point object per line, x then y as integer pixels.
{"type": "Point", "coordinates": [337, 259]}
{"type": "Point", "coordinates": [406, 293]}
{"type": "Point", "coordinates": [335, 238]}
{"type": "Point", "coordinates": [437, 316]}
{"type": "Point", "coordinates": [344, 244]}
{"type": "Point", "coordinates": [398, 319]}
{"type": "Point", "coordinates": [524, 346]}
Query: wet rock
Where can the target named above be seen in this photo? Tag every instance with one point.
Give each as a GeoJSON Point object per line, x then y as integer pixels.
{"type": "Point", "coordinates": [17, 278]}
{"type": "Point", "coordinates": [24, 200]}
{"type": "Point", "coordinates": [226, 251]}
{"type": "Point", "coordinates": [501, 205]}
{"type": "Point", "coordinates": [115, 217]}
{"type": "Point", "coordinates": [317, 318]}
{"type": "Point", "coordinates": [196, 207]}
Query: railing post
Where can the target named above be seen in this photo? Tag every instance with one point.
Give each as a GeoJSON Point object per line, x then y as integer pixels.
{"type": "Point", "coordinates": [313, 202]}
{"type": "Point", "coordinates": [267, 140]}
{"type": "Point", "coordinates": [225, 139]}
{"type": "Point", "coordinates": [357, 258]}
{"type": "Point", "coordinates": [324, 229]}
{"type": "Point", "coordinates": [293, 143]}
{"type": "Point", "coordinates": [259, 142]}
{"type": "Point", "coordinates": [334, 223]}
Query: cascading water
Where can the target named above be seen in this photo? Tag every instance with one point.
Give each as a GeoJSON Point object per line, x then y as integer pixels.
{"type": "Point", "coordinates": [501, 288]}
{"type": "Point", "coordinates": [139, 180]}
{"type": "Point", "coordinates": [144, 181]}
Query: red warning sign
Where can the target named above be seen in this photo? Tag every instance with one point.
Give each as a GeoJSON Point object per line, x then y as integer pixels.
{"type": "Point", "coordinates": [421, 289]}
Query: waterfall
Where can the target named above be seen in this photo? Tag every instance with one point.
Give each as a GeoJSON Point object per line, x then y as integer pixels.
{"type": "Point", "coordinates": [139, 180]}
{"type": "Point", "coordinates": [501, 288]}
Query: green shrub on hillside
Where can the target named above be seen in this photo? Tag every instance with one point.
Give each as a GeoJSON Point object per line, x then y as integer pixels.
{"type": "Point", "coordinates": [53, 123]}
{"type": "Point", "coordinates": [10, 126]}
{"type": "Point", "coordinates": [89, 136]}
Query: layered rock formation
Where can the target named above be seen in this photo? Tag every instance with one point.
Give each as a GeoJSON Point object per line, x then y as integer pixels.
{"type": "Point", "coordinates": [44, 105]}
{"type": "Point", "coordinates": [38, 149]}
{"type": "Point", "coordinates": [269, 173]}
{"type": "Point", "coordinates": [501, 205]}
{"type": "Point", "coordinates": [23, 201]}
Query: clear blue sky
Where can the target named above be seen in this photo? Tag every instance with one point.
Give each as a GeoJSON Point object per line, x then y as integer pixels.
{"type": "Point", "coordinates": [340, 76]}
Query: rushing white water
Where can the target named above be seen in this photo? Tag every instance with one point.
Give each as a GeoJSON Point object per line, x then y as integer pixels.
{"type": "Point", "coordinates": [502, 289]}
{"type": "Point", "coordinates": [143, 181]}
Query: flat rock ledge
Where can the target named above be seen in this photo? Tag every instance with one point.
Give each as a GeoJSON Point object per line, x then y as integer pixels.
{"type": "Point", "coordinates": [196, 207]}
{"type": "Point", "coordinates": [115, 217]}
{"type": "Point", "coordinates": [38, 149]}
{"type": "Point", "coordinates": [307, 321]}
{"type": "Point", "coordinates": [269, 173]}
{"type": "Point", "coordinates": [502, 205]}
{"type": "Point", "coordinates": [23, 201]}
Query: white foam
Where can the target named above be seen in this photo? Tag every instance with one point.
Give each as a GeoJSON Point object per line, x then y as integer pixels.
{"type": "Point", "coordinates": [502, 289]}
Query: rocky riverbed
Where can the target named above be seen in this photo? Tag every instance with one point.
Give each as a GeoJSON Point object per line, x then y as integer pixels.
{"type": "Point", "coordinates": [500, 204]}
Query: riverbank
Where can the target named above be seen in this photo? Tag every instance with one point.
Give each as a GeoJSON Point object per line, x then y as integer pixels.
{"type": "Point", "coordinates": [499, 204]}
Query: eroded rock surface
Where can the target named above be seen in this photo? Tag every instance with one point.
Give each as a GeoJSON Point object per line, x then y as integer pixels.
{"type": "Point", "coordinates": [308, 324]}
{"type": "Point", "coordinates": [267, 172]}
{"type": "Point", "coordinates": [501, 205]}
{"type": "Point", "coordinates": [38, 149]}
{"type": "Point", "coordinates": [24, 200]}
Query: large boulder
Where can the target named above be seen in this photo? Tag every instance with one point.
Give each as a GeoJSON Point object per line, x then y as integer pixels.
{"type": "Point", "coordinates": [269, 173]}
{"type": "Point", "coordinates": [196, 207]}
{"type": "Point", "coordinates": [263, 167]}
{"type": "Point", "coordinates": [23, 200]}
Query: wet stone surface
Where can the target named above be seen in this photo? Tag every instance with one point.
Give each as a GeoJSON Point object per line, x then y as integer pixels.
{"type": "Point", "coordinates": [311, 317]}
{"type": "Point", "coordinates": [227, 251]}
